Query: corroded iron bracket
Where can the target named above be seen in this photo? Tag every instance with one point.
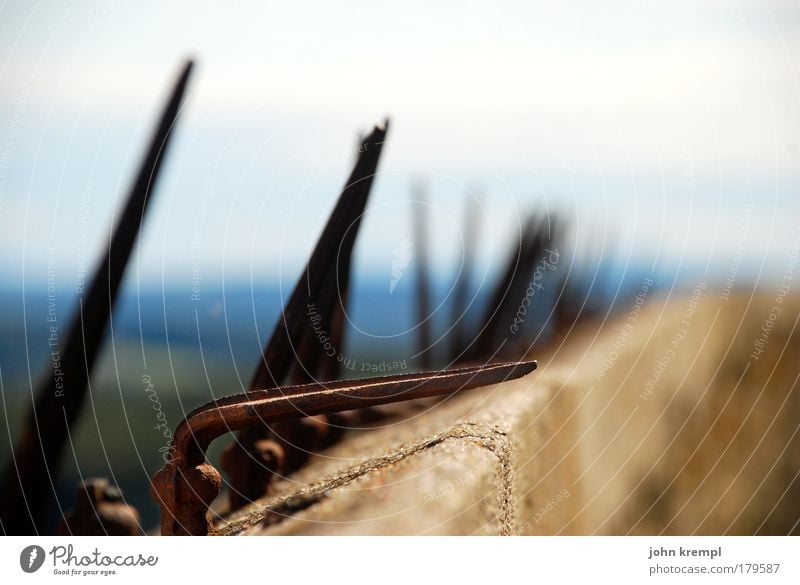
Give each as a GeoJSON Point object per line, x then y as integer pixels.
{"type": "Point", "coordinates": [187, 485]}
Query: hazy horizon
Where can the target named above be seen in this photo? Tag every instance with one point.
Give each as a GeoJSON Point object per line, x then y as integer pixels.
{"type": "Point", "coordinates": [672, 133]}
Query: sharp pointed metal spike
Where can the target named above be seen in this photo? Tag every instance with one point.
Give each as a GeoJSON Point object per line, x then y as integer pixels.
{"type": "Point", "coordinates": [481, 347]}
{"type": "Point", "coordinates": [293, 349]}
{"type": "Point", "coordinates": [461, 290]}
{"type": "Point", "coordinates": [278, 355]}
{"type": "Point", "coordinates": [329, 304]}
{"type": "Point", "coordinates": [424, 336]}
{"type": "Point", "coordinates": [543, 232]}
{"type": "Point", "coordinates": [26, 489]}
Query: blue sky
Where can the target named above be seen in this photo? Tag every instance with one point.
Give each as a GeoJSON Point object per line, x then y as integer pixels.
{"type": "Point", "coordinates": [670, 128]}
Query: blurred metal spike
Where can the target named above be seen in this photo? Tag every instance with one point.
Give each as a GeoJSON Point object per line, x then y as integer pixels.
{"type": "Point", "coordinates": [424, 336]}
{"type": "Point", "coordinates": [575, 303]}
{"type": "Point", "coordinates": [495, 334]}
{"type": "Point", "coordinates": [482, 346]}
{"type": "Point", "coordinates": [300, 437]}
{"type": "Point", "coordinates": [460, 303]}
{"type": "Point", "coordinates": [532, 247]}
{"type": "Point", "coordinates": [28, 485]}
{"type": "Point", "coordinates": [331, 369]}
{"type": "Point", "coordinates": [313, 363]}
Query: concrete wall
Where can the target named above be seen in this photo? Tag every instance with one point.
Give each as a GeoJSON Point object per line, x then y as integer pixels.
{"type": "Point", "coordinates": [677, 416]}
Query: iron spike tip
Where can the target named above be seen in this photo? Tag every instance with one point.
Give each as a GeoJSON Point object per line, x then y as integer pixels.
{"type": "Point", "coordinates": [185, 71]}
{"type": "Point", "coordinates": [514, 370]}
{"type": "Point", "coordinates": [528, 366]}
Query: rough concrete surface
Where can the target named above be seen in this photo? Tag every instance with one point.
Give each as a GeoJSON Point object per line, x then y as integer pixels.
{"type": "Point", "coordinates": [660, 420]}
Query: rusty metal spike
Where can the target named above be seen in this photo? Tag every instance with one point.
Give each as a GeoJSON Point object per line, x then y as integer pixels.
{"type": "Point", "coordinates": [100, 510]}
{"type": "Point", "coordinates": [330, 369]}
{"type": "Point", "coordinates": [28, 483]}
{"type": "Point", "coordinates": [510, 291]}
{"type": "Point", "coordinates": [301, 437]}
{"type": "Point", "coordinates": [545, 231]}
{"type": "Point", "coordinates": [251, 462]}
{"type": "Point", "coordinates": [572, 306]}
{"type": "Point", "coordinates": [424, 336]}
{"type": "Point", "coordinates": [278, 356]}
{"type": "Point", "coordinates": [461, 290]}
{"type": "Point", "coordinates": [483, 343]}
{"type": "Point", "coordinates": [293, 347]}
{"type": "Point", "coordinates": [186, 486]}
{"type": "Point", "coordinates": [329, 304]}
{"type": "Point", "coordinates": [577, 303]}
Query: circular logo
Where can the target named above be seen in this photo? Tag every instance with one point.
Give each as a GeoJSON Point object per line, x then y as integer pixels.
{"type": "Point", "coordinates": [31, 558]}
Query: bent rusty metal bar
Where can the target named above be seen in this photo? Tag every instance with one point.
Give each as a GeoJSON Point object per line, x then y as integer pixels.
{"type": "Point", "coordinates": [187, 485]}
{"type": "Point", "coordinates": [28, 483]}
